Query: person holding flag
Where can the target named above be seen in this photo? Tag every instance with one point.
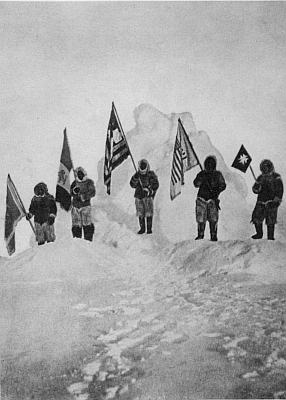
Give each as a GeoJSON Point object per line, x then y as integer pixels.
{"type": "Point", "coordinates": [211, 183]}
{"type": "Point", "coordinates": [145, 182]}
{"type": "Point", "coordinates": [269, 189]}
{"type": "Point", "coordinates": [82, 190]}
{"type": "Point", "coordinates": [44, 209]}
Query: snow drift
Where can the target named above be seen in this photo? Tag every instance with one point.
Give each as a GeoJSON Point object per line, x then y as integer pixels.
{"type": "Point", "coordinates": [56, 298]}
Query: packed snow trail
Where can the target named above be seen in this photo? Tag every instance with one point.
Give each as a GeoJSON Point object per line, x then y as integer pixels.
{"type": "Point", "coordinates": [123, 317]}
{"type": "Point", "coordinates": [167, 354]}
{"type": "Point", "coordinates": [71, 306]}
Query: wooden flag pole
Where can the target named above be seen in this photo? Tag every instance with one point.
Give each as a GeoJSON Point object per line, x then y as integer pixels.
{"type": "Point", "coordinates": [65, 133]}
{"type": "Point", "coordinates": [209, 186]}
{"type": "Point", "coordinates": [252, 172]}
{"type": "Point", "coordinates": [191, 144]}
{"type": "Point", "coordinates": [118, 120]}
{"type": "Point", "coordinates": [23, 207]}
{"type": "Point", "coordinates": [74, 174]}
{"type": "Point", "coordinates": [117, 117]}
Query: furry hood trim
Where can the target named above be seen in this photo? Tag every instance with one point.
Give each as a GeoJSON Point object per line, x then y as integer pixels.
{"type": "Point", "coordinates": [41, 188]}
{"type": "Point", "coordinates": [143, 166]}
{"type": "Point", "coordinates": [267, 163]}
{"type": "Point", "coordinates": [210, 161]}
{"type": "Point", "coordinates": [77, 170]}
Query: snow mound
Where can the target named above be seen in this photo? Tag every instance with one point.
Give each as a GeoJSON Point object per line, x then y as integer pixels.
{"type": "Point", "coordinates": [262, 259]}
{"type": "Point", "coordinates": [115, 250]}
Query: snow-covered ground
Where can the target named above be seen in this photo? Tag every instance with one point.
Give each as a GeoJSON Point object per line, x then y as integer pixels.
{"type": "Point", "coordinates": [122, 316]}
{"type": "Point", "coordinates": [156, 316]}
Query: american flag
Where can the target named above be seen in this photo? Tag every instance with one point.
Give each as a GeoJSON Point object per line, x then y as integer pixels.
{"type": "Point", "coordinates": [116, 149]}
{"type": "Point", "coordinates": [184, 158]}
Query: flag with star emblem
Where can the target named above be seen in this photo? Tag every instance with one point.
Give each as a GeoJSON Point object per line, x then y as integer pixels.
{"type": "Point", "coordinates": [63, 184]}
{"type": "Point", "coordinates": [242, 160]}
{"type": "Point", "coordinates": [116, 149]}
{"type": "Point", "coordinates": [184, 158]}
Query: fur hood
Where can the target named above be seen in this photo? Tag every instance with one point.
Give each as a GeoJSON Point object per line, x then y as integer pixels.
{"type": "Point", "coordinates": [84, 173]}
{"type": "Point", "coordinates": [269, 164]}
{"type": "Point", "coordinates": [40, 186]}
{"type": "Point", "coordinates": [143, 166]}
{"type": "Point", "coordinates": [210, 161]}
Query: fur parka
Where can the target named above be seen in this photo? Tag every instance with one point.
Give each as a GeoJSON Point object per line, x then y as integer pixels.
{"type": "Point", "coordinates": [210, 181]}
{"type": "Point", "coordinates": [268, 186]}
{"type": "Point", "coordinates": [145, 182]}
{"type": "Point", "coordinates": [86, 190]}
{"type": "Point", "coordinates": [43, 206]}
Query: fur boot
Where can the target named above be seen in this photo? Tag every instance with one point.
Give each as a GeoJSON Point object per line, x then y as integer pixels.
{"type": "Point", "coordinates": [201, 230]}
{"type": "Point", "coordinates": [270, 232]}
{"type": "Point", "coordinates": [88, 231]}
{"type": "Point", "coordinates": [259, 232]}
{"type": "Point", "coordinates": [213, 231]}
{"type": "Point", "coordinates": [142, 225]}
{"type": "Point", "coordinates": [149, 224]}
{"type": "Point", "coordinates": [76, 231]}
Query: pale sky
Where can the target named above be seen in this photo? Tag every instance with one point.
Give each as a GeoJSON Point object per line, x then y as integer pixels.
{"type": "Point", "coordinates": [63, 63]}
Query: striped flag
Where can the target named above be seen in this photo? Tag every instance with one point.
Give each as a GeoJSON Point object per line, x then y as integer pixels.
{"type": "Point", "coordinates": [14, 213]}
{"type": "Point", "coordinates": [63, 184]}
{"type": "Point", "coordinates": [116, 149]}
{"type": "Point", "coordinates": [184, 158]}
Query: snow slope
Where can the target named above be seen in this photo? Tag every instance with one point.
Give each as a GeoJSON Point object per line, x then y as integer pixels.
{"type": "Point", "coordinates": [123, 291]}
{"type": "Point", "coordinates": [119, 293]}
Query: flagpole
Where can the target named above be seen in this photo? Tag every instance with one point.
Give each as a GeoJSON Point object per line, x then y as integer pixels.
{"type": "Point", "coordinates": [190, 144]}
{"type": "Point", "coordinates": [252, 172]}
{"type": "Point", "coordinates": [74, 174]}
{"type": "Point", "coordinates": [117, 117]}
{"type": "Point", "coordinates": [195, 154]}
{"type": "Point", "coordinates": [115, 111]}
{"type": "Point", "coordinates": [20, 201]}
{"type": "Point", "coordinates": [65, 133]}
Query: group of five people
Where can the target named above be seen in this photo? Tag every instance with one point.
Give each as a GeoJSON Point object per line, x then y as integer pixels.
{"type": "Point", "coordinates": [210, 183]}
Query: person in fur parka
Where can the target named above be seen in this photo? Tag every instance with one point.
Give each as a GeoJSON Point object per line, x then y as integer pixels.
{"type": "Point", "coordinates": [146, 184]}
{"type": "Point", "coordinates": [210, 183]}
{"type": "Point", "coordinates": [82, 190]}
{"type": "Point", "coordinates": [44, 209]}
{"type": "Point", "coordinates": [269, 188]}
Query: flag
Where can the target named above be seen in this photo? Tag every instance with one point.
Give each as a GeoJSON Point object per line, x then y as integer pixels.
{"type": "Point", "coordinates": [63, 184]}
{"type": "Point", "coordinates": [242, 160]}
{"type": "Point", "coordinates": [116, 148]}
{"type": "Point", "coordinates": [14, 213]}
{"type": "Point", "coordinates": [184, 158]}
